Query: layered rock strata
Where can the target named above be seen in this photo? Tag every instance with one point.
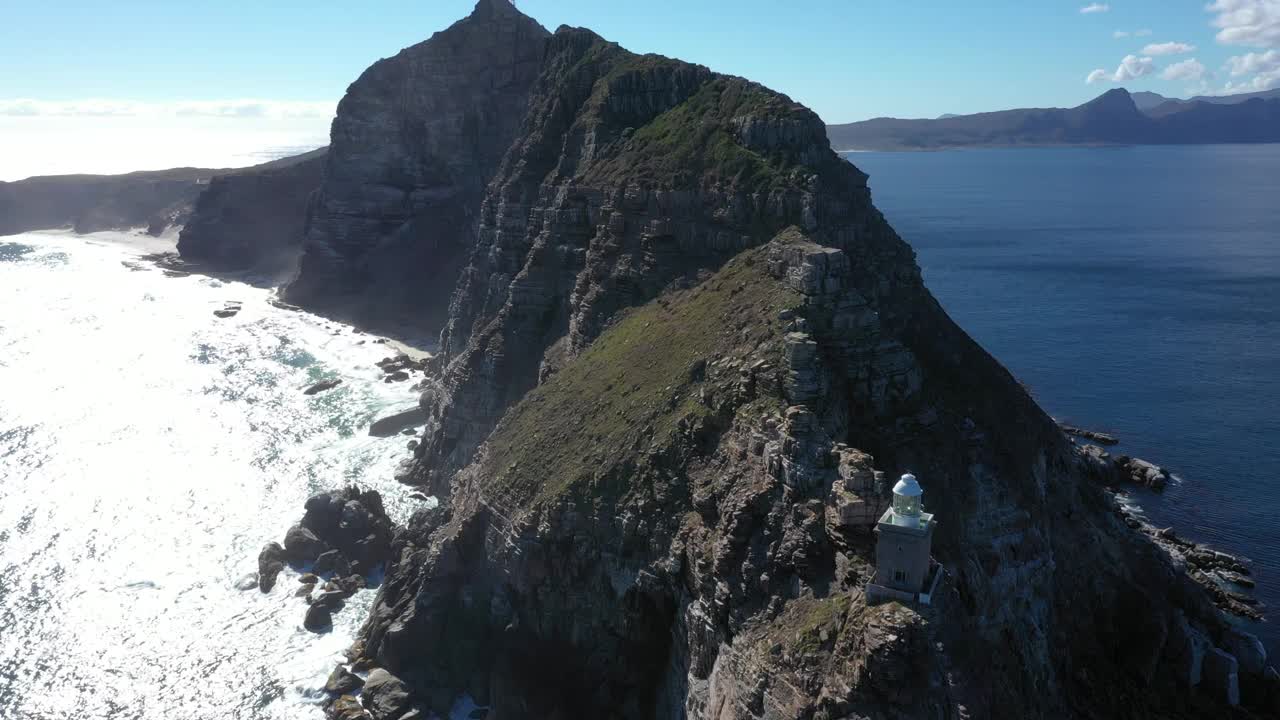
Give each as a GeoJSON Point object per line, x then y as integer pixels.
{"type": "Point", "coordinates": [684, 355]}
{"type": "Point", "coordinates": [252, 221]}
{"type": "Point", "coordinates": [415, 141]}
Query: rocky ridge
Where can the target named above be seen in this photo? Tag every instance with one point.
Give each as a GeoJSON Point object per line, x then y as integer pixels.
{"type": "Point", "coordinates": [683, 356]}
{"type": "Point", "coordinates": [415, 141]}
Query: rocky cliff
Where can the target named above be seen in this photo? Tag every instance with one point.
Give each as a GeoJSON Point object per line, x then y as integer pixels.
{"type": "Point", "coordinates": [155, 200]}
{"type": "Point", "coordinates": [683, 357]}
{"type": "Point", "coordinates": [253, 220]}
{"type": "Point", "coordinates": [236, 209]}
{"type": "Point", "coordinates": [416, 139]}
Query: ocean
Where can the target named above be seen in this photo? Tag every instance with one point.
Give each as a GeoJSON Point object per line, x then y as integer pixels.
{"type": "Point", "coordinates": [147, 451]}
{"type": "Point", "coordinates": [1134, 290]}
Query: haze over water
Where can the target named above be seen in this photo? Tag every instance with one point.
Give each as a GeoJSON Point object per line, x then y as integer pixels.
{"type": "Point", "coordinates": [1134, 290]}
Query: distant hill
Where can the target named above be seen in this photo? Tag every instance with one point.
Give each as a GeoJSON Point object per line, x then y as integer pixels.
{"type": "Point", "coordinates": [1148, 100]}
{"type": "Point", "coordinates": [1110, 119]}
{"type": "Point", "coordinates": [156, 199]}
{"type": "Point", "coordinates": [1172, 105]}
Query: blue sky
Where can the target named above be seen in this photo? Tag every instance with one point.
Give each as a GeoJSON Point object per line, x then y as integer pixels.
{"type": "Point", "coordinates": [847, 59]}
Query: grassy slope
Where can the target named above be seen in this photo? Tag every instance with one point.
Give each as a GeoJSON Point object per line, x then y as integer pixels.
{"type": "Point", "coordinates": [696, 139]}
{"type": "Point", "coordinates": [629, 391]}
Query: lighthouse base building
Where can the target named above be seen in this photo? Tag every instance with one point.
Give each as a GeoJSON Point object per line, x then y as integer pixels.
{"type": "Point", "coordinates": [905, 570]}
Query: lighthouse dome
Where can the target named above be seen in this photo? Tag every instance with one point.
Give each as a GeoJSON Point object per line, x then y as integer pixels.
{"type": "Point", "coordinates": [908, 487]}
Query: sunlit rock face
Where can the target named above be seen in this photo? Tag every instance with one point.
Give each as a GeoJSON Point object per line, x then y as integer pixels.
{"type": "Point", "coordinates": [416, 139]}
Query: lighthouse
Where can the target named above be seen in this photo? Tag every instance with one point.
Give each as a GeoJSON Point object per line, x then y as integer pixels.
{"type": "Point", "coordinates": [904, 538]}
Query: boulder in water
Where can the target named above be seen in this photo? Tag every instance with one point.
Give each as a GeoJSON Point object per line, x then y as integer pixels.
{"type": "Point", "coordinates": [318, 618]}
{"type": "Point", "coordinates": [347, 708]}
{"type": "Point", "coordinates": [322, 386]}
{"type": "Point", "coordinates": [331, 562]}
{"type": "Point", "coordinates": [385, 695]}
{"type": "Point", "coordinates": [403, 420]}
{"type": "Point", "coordinates": [270, 563]}
{"type": "Point", "coordinates": [301, 545]}
{"type": "Point", "coordinates": [248, 582]}
{"type": "Point", "coordinates": [342, 682]}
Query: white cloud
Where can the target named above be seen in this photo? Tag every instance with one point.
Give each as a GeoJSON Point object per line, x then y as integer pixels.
{"type": "Point", "coordinates": [1095, 8]}
{"type": "Point", "coordinates": [97, 107]}
{"type": "Point", "coordinates": [1186, 70]}
{"type": "Point", "coordinates": [1142, 33]}
{"type": "Point", "coordinates": [1255, 23]}
{"type": "Point", "coordinates": [1120, 34]}
{"type": "Point", "coordinates": [1254, 63]}
{"type": "Point", "coordinates": [1131, 67]}
{"type": "Point", "coordinates": [1263, 66]}
{"type": "Point", "coordinates": [1168, 48]}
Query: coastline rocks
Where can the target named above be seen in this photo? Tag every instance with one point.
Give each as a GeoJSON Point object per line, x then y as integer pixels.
{"type": "Point", "coordinates": [270, 563]}
{"type": "Point", "coordinates": [1113, 470]}
{"type": "Point", "coordinates": [318, 618]}
{"type": "Point", "coordinates": [385, 695]}
{"type": "Point", "coordinates": [346, 708]}
{"type": "Point", "coordinates": [301, 545]}
{"type": "Point", "coordinates": [354, 523]}
{"type": "Point", "coordinates": [322, 386]}
{"type": "Point", "coordinates": [342, 682]}
{"type": "Point", "coordinates": [248, 582]}
{"type": "Point", "coordinates": [344, 535]}
{"type": "Point", "coordinates": [1098, 437]}
{"type": "Point", "coordinates": [1143, 473]}
{"type": "Point", "coordinates": [331, 562]}
{"type": "Point", "coordinates": [229, 309]}
{"type": "Point", "coordinates": [392, 424]}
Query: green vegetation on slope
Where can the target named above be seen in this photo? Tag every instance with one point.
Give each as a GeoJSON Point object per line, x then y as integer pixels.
{"type": "Point", "coordinates": [697, 140]}
{"type": "Point", "coordinates": [629, 392]}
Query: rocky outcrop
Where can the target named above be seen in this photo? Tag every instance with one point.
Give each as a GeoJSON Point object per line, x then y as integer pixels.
{"type": "Point", "coordinates": [252, 220]}
{"type": "Point", "coordinates": [683, 357]}
{"type": "Point", "coordinates": [270, 564]}
{"type": "Point", "coordinates": [416, 139]}
{"type": "Point", "coordinates": [343, 538]}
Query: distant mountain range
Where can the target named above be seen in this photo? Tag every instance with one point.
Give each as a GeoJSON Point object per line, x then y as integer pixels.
{"type": "Point", "coordinates": [1114, 118]}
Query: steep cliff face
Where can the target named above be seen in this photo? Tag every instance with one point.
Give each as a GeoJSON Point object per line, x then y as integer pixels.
{"type": "Point", "coordinates": [253, 220]}
{"type": "Point", "coordinates": [416, 139]}
{"type": "Point", "coordinates": [682, 360]}
{"type": "Point", "coordinates": [632, 173]}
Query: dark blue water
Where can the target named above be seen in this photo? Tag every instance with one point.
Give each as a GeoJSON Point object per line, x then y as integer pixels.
{"type": "Point", "coordinates": [1134, 290]}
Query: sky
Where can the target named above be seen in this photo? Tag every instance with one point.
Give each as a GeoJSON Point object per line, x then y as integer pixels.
{"type": "Point", "coordinates": [92, 86]}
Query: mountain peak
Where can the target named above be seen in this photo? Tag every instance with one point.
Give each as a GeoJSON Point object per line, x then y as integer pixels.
{"type": "Point", "coordinates": [494, 8]}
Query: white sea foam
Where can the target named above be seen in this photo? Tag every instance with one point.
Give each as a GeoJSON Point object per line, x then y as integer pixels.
{"type": "Point", "coordinates": [147, 451]}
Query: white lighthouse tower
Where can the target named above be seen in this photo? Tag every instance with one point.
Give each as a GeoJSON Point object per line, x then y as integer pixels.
{"type": "Point", "coordinates": [904, 539]}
